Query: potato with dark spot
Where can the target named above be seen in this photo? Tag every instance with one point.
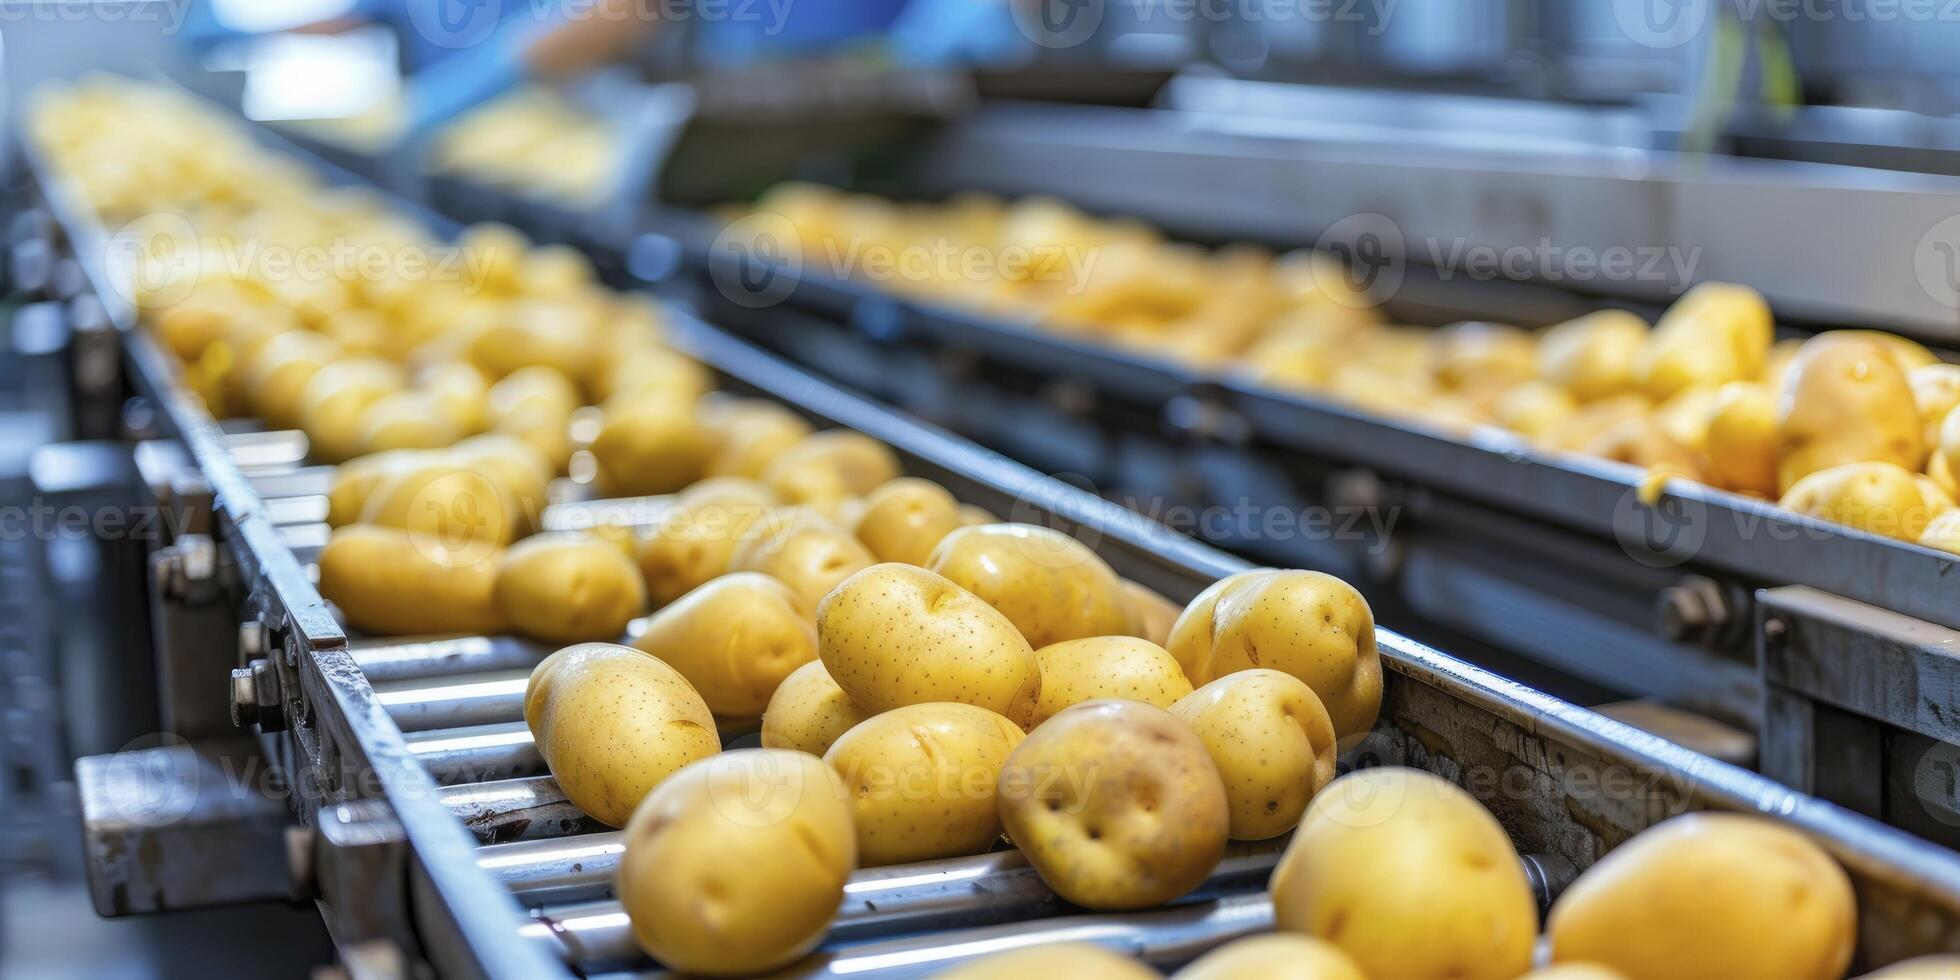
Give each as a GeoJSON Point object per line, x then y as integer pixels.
{"type": "Point", "coordinates": [1051, 586]}
{"type": "Point", "coordinates": [1273, 744]}
{"type": "Point", "coordinates": [803, 550]}
{"type": "Point", "coordinates": [735, 639]}
{"type": "Point", "coordinates": [921, 780]}
{"type": "Point", "coordinates": [736, 864]}
{"type": "Point", "coordinates": [893, 635]}
{"type": "Point", "coordinates": [1710, 896]}
{"type": "Point", "coordinates": [1074, 960]}
{"type": "Point", "coordinates": [611, 723]}
{"type": "Point", "coordinates": [809, 712]}
{"type": "Point", "coordinates": [903, 520]}
{"type": "Point", "coordinates": [1411, 877]}
{"type": "Point", "coordinates": [1308, 624]}
{"type": "Point", "coordinates": [1116, 804]}
{"type": "Point", "coordinates": [1074, 671]}
{"type": "Point", "coordinates": [1273, 956]}
{"type": "Point", "coordinates": [569, 588]}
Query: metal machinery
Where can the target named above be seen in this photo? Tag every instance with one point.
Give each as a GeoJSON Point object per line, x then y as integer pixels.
{"type": "Point", "coordinates": [394, 784]}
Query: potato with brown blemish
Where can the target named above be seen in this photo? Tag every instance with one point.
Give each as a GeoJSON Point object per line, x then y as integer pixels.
{"type": "Point", "coordinates": [1051, 586]}
{"type": "Point", "coordinates": [611, 723]}
{"type": "Point", "coordinates": [905, 519]}
{"type": "Point", "coordinates": [921, 780]}
{"type": "Point", "coordinates": [1411, 877]}
{"type": "Point", "coordinates": [1273, 744]}
{"type": "Point", "coordinates": [735, 639]}
{"type": "Point", "coordinates": [809, 712]}
{"type": "Point", "coordinates": [569, 588]}
{"type": "Point", "coordinates": [1074, 671]}
{"type": "Point", "coordinates": [893, 635]}
{"type": "Point", "coordinates": [804, 551]}
{"type": "Point", "coordinates": [1116, 804]}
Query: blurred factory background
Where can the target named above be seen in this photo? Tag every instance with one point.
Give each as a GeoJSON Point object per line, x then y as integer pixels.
{"type": "Point", "coordinates": [1802, 147]}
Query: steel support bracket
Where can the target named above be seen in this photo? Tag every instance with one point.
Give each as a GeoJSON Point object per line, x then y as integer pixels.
{"type": "Point", "coordinates": [359, 870]}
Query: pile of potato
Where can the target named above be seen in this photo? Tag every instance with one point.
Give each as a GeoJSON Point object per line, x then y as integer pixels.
{"type": "Point", "coordinates": [1855, 426]}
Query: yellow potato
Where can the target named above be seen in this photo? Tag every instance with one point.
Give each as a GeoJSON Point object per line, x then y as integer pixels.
{"type": "Point", "coordinates": [650, 447]}
{"type": "Point", "coordinates": [652, 371]}
{"type": "Point", "coordinates": [831, 464]}
{"type": "Point", "coordinates": [1592, 356]}
{"type": "Point", "coordinates": [569, 588]}
{"type": "Point", "coordinates": [1940, 472]}
{"type": "Point", "coordinates": [804, 551]}
{"type": "Point", "coordinates": [749, 435]}
{"type": "Point", "coordinates": [1533, 409]}
{"type": "Point", "coordinates": [1476, 353]}
{"type": "Point", "coordinates": [276, 375]}
{"type": "Point", "coordinates": [385, 584]}
{"type": "Point", "coordinates": [555, 333]}
{"type": "Point", "coordinates": [904, 519]}
{"type": "Point", "coordinates": [1717, 333]}
{"type": "Point", "coordinates": [612, 723]}
{"type": "Point", "coordinates": [531, 391]}
{"type": "Point", "coordinates": [1272, 741]}
{"type": "Point", "coordinates": [1909, 355]}
{"type": "Point", "coordinates": [921, 780]}
{"type": "Point", "coordinates": [735, 639]}
{"type": "Point", "coordinates": [446, 506]}
{"type": "Point", "coordinates": [1740, 448]}
{"type": "Point", "coordinates": [809, 712]}
{"type": "Point", "coordinates": [521, 473]}
{"type": "Point", "coordinates": [1943, 532]}
{"type": "Point", "coordinates": [330, 406]}
{"type": "Point", "coordinates": [1710, 895]}
{"type": "Point", "coordinates": [1080, 960]}
{"type": "Point", "coordinates": [1846, 401]}
{"type": "Point", "coordinates": [461, 394]}
{"type": "Point", "coordinates": [1776, 370]}
{"type": "Point", "coordinates": [1308, 624]}
{"type": "Point", "coordinates": [1074, 671]}
{"type": "Point", "coordinates": [1575, 971]}
{"type": "Point", "coordinates": [1154, 615]}
{"type": "Point", "coordinates": [696, 540]}
{"type": "Point", "coordinates": [735, 865]}
{"type": "Point", "coordinates": [1686, 415]}
{"type": "Point", "coordinates": [1273, 956]}
{"type": "Point", "coordinates": [1594, 418]}
{"type": "Point", "coordinates": [1920, 968]}
{"type": "Point", "coordinates": [355, 480]}
{"type": "Point", "coordinates": [406, 420]}
{"type": "Point", "coordinates": [1411, 877]}
{"type": "Point", "coordinates": [1877, 497]}
{"type": "Point", "coordinates": [1116, 804]}
{"type": "Point", "coordinates": [1640, 441]}
{"type": "Point", "coordinates": [1936, 390]}
{"type": "Point", "coordinates": [971, 515]}
{"type": "Point", "coordinates": [1051, 586]}
{"type": "Point", "coordinates": [893, 635]}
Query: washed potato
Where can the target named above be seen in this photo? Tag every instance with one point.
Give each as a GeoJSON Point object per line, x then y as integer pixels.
{"type": "Point", "coordinates": [355, 480]}
{"type": "Point", "coordinates": [971, 515]}
{"type": "Point", "coordinates": [805, 552]}
{"type": "Point", "coordinates": [275, 377]}
{"type": "Point", "coordinates": [531, 391]}
{"type": "Point", "coordinates": [447, 506]}
{"type": "Point", "coordinates": [520, 471]}
{"type": "Point", "coordinates": [1074, 671]}
{"type": "Point", "coordinates": [1717, 333]}
{"type": "Point", "coordinates": [406, 420]}
{"type": "Point", "coordinates": [1941, 473]}
{"type": "Point", "coordinates": [1909, 355]}
{"type": "Point", "coordinates": [1308, 624]}
{"type": "Point", "coordinates": [1740, 448]}
{"type": "Point", "coordinates": [696, 540]}
{"type": "Point", "coordinates": [1575, 971]}
{"type": "Point", "coordinates": [1273, 956]}
{"type": "Point", "coordinates": [1685, 415]}
{"type": "Point", "coordinates": [1051, 586]}
{"type": "Point", "coordinates": [831, 464]}
{"type": "Point", "coordinates": [893, 635]}
{"type": "Point", "coordinates": [1592, 357]}
{"type": "Point", "coordinates": [1846, 401]}
{"type": "Point", "coordinates": [1943, 532]}
{"type": "Point", "coordinates": [384, 583]}
{"type": "Point", "coordinates": [1153, 614]}
{"type": "Point", "coordinates": [650, 447]}
{"type": "Point", "coordinates": [1710, 895]}
{"type": "Point", "coordinates": [904, 519]}
{"type": "Point", "coordinates": [809, 712]}
{"type": "Point", "coordinates": [559, 334]}
{"type": "Point", "coordinates": [1594, 419]}
{"type": "Point", "coordinates": [735, 639]}
{"type": "Point", "coordinates": [1411, 877]}
{"type": "Point", "coordinates": [1052, 960]}
{"type": "Point", "coordinates": [461, 394]}
{"type": "Point", "coordinates": [1492, 354]}
{"type": "Point", "coordinates": [749, 435]}
{"type": "Point", "coordinates": [921, 780]}
{"type": "Point", "coordinates": [655, 371]}
{"type": "Point", "coordinates": [736, 864]}
{"type": "Point", "coordinates": [1640, 441]}
{"type": "Point", "coordinates": [611, 723]}
{"type": "Point", "coordinates": [332, 402]}
{"type": "Point", "coordinates": [1116, 804]}
{"type": "Point", "coordinates": [569, 588]}
{"type": "Point", "coordinates": [1533, 409]}
{"type": "Point", "coordinates": [1272, 741]}
{"type": "Point", "coordinates": [1878, 497]}
{"type": "Point", "coordinates": [1936, 390]}
{"type": "Point", "coordinates": [1921, 968]}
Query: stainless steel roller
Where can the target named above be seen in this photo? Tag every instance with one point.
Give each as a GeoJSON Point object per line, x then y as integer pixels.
{"type": "Point", "coordinates": [516, 809]}
{"type": "Point", "coordinates": [421, 704]}
{"type": "Point", "coordinates": [389, 660]}
{"type": "Point", "coordinates": [483, 753]}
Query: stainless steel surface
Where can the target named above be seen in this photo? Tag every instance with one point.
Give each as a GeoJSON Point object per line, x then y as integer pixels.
{"type": "Point", "coordinates": [481, 753]}
{"type": "Point", "coordinates": [454, 700]}
{"type": "Point", "coordinates": [411, 658]}
{"type": "Point", "coordinates": [507, 810]}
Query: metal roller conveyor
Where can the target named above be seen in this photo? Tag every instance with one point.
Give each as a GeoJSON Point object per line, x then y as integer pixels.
{"type": "Point", "coordinates": [556, 869]}
{"type": "Point", "coordinates": [956, 893]}
{"type": "Point", "coordinates": [482, 753]}
{"type": "Point", "coordinates": [531, 808]}
{"type": "Point", "coordinates": [306, 510]}
{"type": "Point", "coordinates": [259, 453]}
{"type": "Point", "coordinates": [397, 659]}
{"type": "Point", "coordinates": [310, 481]}
{"type": "Point", "coordinates": [454, 701]}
